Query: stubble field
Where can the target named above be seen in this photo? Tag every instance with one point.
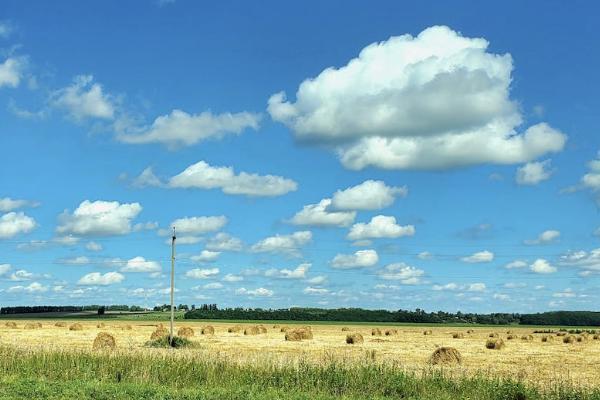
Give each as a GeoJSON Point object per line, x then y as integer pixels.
{"type": "Point", "coordinates": [544, 367]}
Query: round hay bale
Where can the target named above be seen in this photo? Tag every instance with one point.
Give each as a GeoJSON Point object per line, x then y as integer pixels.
{"type": "Point", "coordinates": [235, 329]}
{"type": "Point", "coordinates": [104, 341]}
{"type": "Point", "coordinates": [252, 330]}
{"type": "Point", "coordinates": [30, 325]}
{"type": "Point", "coordinates": [127, 327]}
{"type": "Point", "coordinates": [470, 331]}
{"type": "Point", "coordinates": [275, 326]}
{"type": "Point", "coordinates": [76, 327]}
{"type": "Point", "coordinates": [160, 332]}
{"type": "Point", "coordinates": [376, 332]}
{"type": "Point", "coordinates": [561, 334]}
{"type": "Point", "coordinates": [11, 324]}
{"type": "Point", "coordinates": [597, 336]}
{"type": "Point", "coordinates": [445, 355]}
{"type": "Point", "coordinates": [61, 324]}
{"type": "Point", "coordinates": [428, 332]}
{"type": "Point", "coordinates": [284, 329]}
{"type": "Point", "coordinates": [185, 331]}
{"type": "Point", "coordinates": [390, 332]}
{"type": "Point", "coordinates": [509, 332]}
{"type": "Point", "coordinates": [511, 337]}
{"type": "Point", "coordinates": [494, 344]}
{"type": "Point", "coordinates": [581, 338]}
{"type": "Point", "coordinates": [457, 335]}
{"type": "Point", "coordinates": [493, 335]}
{"type": "Point", "coordinates": [207, 330]}
{"type": "Point", "coordinates": [262, 329]}
{"type": "Point", "coordinates": [527, 338]}
{"type": "Point", "coordinates": [569, 339]}
{"type": "Point", "coordinates": [345, 329]}
{"type": "Point", "coordinates": [293, 336]}
{"type": "Point", "coordinates": [354, 338]}
{"type": "Point", "coordinates": [101, 325]}
{"type": "Point", "coordinates": [547, 338]}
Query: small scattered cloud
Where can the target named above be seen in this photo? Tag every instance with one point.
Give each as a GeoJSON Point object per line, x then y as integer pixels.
{"type": "Point", "coordinates": [479, 257]}
{"type": "Point", "coordinates": [360, 259]}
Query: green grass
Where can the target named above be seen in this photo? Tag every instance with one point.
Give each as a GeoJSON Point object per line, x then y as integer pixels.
{"type": "Point", "coordinates": [171, 375]}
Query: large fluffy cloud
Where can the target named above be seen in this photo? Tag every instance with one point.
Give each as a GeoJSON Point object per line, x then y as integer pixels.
{"type": "Point", "coordinates": [99, 218]}
{"type": "Point", "coordinates": [369, 195]}
{"type": "Point", "coordinates": [204, 176]}
{"type": "Point", "coordinates": [360, 259]}
{"type": "Point", "coordinates": [434, 101]}
{"type": "Point", "coordinates": [319, 215]}
{"type": "Point", "coordinates": [182, 129]}
{"type": "Point", "coordinates": [15, 223]}
{"type": "Point", "coordinates": [380, 226]}
{"type": "Point", "coordinates": [84, 99]}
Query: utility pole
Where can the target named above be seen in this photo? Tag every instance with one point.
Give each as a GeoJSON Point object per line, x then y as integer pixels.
{"type": "Point", "coordinates": [172, 285]}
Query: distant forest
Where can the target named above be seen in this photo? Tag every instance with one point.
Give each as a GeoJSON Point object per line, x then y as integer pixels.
{"type": "Point", "coordinates": [570, 318]}
{"type": "Point", "coordinates": [211, 311]}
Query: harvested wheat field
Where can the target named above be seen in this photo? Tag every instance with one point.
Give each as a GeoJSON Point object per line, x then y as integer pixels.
{"type": "Point", "coordinates": [554, 360]}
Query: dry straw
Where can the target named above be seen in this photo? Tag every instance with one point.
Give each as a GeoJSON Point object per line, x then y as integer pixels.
{"type": "Point", "coordinates": [445, 355]}
{"type": "Point", "coordinates": [76, 327]}
{"type": "Point", "coordinates": [569, 339]}
{"type": "Point", "coordinates": [494, 344]}
{"type": "Point", "coordinates": [527, 338]}
{"type": "Point", "coordinates": [160, 332]}
{"type": "Point", "coordinates": [252, 330]}
{"type": "Point", "coordinates": [235, 329]}
{"type": "Point", "coordinates": [345, 329]}
{"type": "Point", "coordinates": [32, 325]}
{"type": "Point", "coordinates": [185, 331]}
{"type": "Point", "coordinates": [376, 332]}
{"type": "Point", "coordinates": [511, 337]}
{"type": "Point", "coordinates": [390, 332]}
{"type": "Point", "coordinates": [101, 325]}
{"type": "Point", "coordinates": [493, 335]}
{"type": "Point", "coordinates": [457, 335]}
{"type": "Point", "coordinates": [61, 324]}
{"type": "Point", "coordinates": [207, 330]}
{"type": "Point", "coordinates": [428, 332]}
{"type": "Point", "coordinates": [104, 341]}
{"type": "Point", "coordinates": [547, 338]}
{"type": "Point", "coordinates": [297, 335]}
{"type": "Point", "coordinates": [354, 338]}
{"type": "Point", "coordinates": [11, 324]}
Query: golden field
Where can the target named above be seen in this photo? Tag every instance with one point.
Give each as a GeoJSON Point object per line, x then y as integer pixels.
{"type": "Point", "coordinates": [534, 361]}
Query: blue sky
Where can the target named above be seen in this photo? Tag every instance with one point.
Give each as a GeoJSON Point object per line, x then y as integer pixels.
{"type": "Point", "coordinates": [383, 155]}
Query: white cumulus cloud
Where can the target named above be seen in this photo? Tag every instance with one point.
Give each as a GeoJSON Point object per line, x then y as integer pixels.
{"type": "Point", "coordinates": [98, 279]}
{"type": "Point", "coordinates": [369, 195]}
{"type": "Point", "coordinates": [15, 223]}
{"type": "Point", "coordinates": [84, 99]}
{"type": "Point", "coordinates": [402, 272]}
{"type": "Point", "coordinates": [319, 215]}
{"type": "Point", "coordinates": [479, 257]}
{"type": "Point", "coordinates": [434, 101]}
{"type": "Point", "coordinates": [533, 173]}
{"type": "Point", "coordinates": [11, 72]}
{"type": "Point", "coordinates": [98, 218]}
{"type": "Point", "coordinates": [260, 292]}
{"type": "Point", "coordinates": [297, 273]}
{"type": "Point", "coordinates": [380, 226]}
{"type": "Point", "coordinates": [541, 266]}
{"type": "Point", "coordinates": [201, 175]}
{"type": "Point", "coordinates": [140, 264]}
{"type": "Point", "coordinates": [545, 237]}
{"type": "Point", "coordinates": [283, 243]}
{"type": "Point", "coordinates": [360, 259]}
{"type": "Point", "coordinates": [202, 273]}
{"type": "Point", "coordinates": [179, 128]}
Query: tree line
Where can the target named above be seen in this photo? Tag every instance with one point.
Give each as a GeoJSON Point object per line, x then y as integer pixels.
{"type": "Point", "coordinates": [570, 318]}
{"type": "Point", "coordinates": [48, 309]}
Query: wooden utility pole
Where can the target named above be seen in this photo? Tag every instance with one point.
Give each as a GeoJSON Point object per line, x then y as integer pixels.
{"type": "Point", "coordinates": [172, 285]}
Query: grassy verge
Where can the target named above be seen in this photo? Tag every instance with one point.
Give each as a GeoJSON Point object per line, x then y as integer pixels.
{"type": "Point", "coordinates": [162, 375]}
